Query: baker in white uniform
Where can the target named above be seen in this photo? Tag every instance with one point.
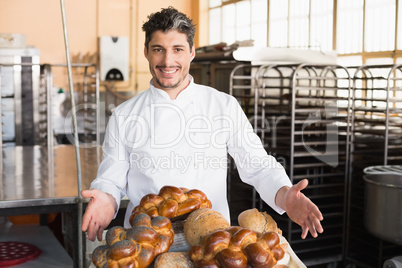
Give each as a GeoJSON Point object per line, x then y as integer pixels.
{"type": "Point", "coordinates": [180, 133]}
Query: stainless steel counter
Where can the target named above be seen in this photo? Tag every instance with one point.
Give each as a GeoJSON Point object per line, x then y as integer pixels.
{"type": "Point", "coordinates": [38, 176]}
{"type": "Point", "coordinates": [41, 180]}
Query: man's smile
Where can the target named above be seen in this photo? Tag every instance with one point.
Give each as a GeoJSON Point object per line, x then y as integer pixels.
{"type": "Point", "coordinates": [168, 70]}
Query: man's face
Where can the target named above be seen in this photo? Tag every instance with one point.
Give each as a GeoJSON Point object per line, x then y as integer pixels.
{"type": "Point", "coordinates": [169, 57]}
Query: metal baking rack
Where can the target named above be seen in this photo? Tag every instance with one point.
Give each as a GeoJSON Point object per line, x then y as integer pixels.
{"type": "Point", "coordinates": [45, 126]}
{"type": "Point", "coordinates": [376, 139]}
{"type": "Point", "coordinates": [89, 110]}
{"type": "Point", "coordinates": [302, 113]}
{"type": "Point", "coordinates": [86, 77]}
{"type": "Point", "coordinates": [91, 104]}
{"type": "Point", "coordinates": [242, 86]}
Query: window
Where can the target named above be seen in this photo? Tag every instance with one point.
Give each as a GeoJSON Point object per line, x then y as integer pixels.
{"type": "Point", "coordinates": [259, 22]}
{"type": "Point", "coordinates": [278, 23]}
{"type": "Point", "coordinates": [231, 21]}
{"type": "Point", "coordinates": [321, 24]}
{"type": "Point", "coordinates": [301, 24]}
{"type": "Point", "coordinates": [243, 21]}
{"type": "Point", "coordinates": [228, 23]}
{"type": "Point", "coordinates": [349, 26]}
{"type": "Point", "coordinates": [364, 29]}
{"type": "Point", "coordinates": [379, 25]}
{"type": "Point", "coordinates": [214, 26]}
{"type": "Point", "coordinates": [399, 34]}
{"type": "Point", "coordinates": [298, 24]}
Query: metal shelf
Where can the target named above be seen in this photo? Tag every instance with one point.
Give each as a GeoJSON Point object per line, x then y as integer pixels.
{"type": "Point", "coordinates": [376, 133]}
{"type": "Point", "coordinates": [299, 112]}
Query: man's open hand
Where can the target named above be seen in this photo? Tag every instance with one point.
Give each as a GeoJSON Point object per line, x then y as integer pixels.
{"type": "Point", "coordinates": [98, 214]}
{"type": "Point", "coordinates": [301, 209]}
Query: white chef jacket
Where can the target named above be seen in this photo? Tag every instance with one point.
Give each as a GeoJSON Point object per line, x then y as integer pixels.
{"type": "Point", "coordinates": [152, 141]}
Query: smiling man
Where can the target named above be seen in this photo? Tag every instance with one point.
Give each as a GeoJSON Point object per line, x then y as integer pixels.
{"type": "Point", "coordinates": [179, 133]}
{"type": "Point", "coordinates": [169, 56]}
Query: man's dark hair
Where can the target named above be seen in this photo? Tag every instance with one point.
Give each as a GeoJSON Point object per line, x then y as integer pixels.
{"type": "Point", "coordinates": [166, 20]}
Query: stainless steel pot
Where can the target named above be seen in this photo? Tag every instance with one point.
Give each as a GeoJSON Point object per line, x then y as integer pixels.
{"type": "Point", "coordinates": [383, 204]}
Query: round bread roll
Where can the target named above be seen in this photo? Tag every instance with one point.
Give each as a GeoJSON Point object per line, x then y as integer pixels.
{"type": "Point", "coordinates": [173, 260]}
{"type": "Point", "coordinates": [202, 222]}
{"type": "Point", "coordinates": [259, 222]}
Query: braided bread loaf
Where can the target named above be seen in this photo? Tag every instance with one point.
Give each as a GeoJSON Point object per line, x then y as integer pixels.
{"type": "Point", "coordinates": [238, 247]}
{"type": "Point", "coordinates": [171, 202]}
{"type": "Point", "coordinates": [137, 246]}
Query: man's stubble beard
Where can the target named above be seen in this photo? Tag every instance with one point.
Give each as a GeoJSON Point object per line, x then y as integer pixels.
{"type": "Point", "coordinates": [167, 86]}
{"type": "Point", "coordinates": [172, 86]}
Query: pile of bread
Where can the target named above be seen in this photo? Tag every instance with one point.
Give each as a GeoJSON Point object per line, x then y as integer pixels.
{"type": "Point", "coordinates": [212, 241]}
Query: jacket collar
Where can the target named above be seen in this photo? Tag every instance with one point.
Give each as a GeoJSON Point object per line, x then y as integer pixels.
{"type": "Point", "coordinates": [184, 94]}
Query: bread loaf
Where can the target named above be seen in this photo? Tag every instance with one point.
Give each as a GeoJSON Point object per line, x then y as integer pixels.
{"type": "Point", "coordinates": [173, 260]}
{"type": "Point", "coordinates": [137, 246]}
{"type": "Point", "coordinates": [238, 247]}
{"type": "Point", "coordinates": [171, 202]}
{"type": "Point", "coordinates": [202, 222]}
{"type": "Point", "coordinates": [260, 222]}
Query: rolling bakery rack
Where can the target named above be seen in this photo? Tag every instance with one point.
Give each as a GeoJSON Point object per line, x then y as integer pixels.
{"type": "Point", "coordinates": [302, 114]}
{"type": "Point", "coordinates": [376, 139]}
{"type": "Point", "coordinates": [242, 87]}
{"type": "Point", "coordinates": [86, 77]}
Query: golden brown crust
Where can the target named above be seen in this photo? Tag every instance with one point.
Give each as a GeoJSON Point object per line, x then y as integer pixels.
{"type": "Point", "coordinates": [260, 222]}
{"type": "Point", "coordinates": [137, 246]}
{"type": "Point", "coordinates": [237, 247]}
{"type": "Point", "coordinates": [202, 222]}
{"type": "Point", "coordinates": [168, 208]}
{"type": "Point", "coordinates": [171, 202]}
